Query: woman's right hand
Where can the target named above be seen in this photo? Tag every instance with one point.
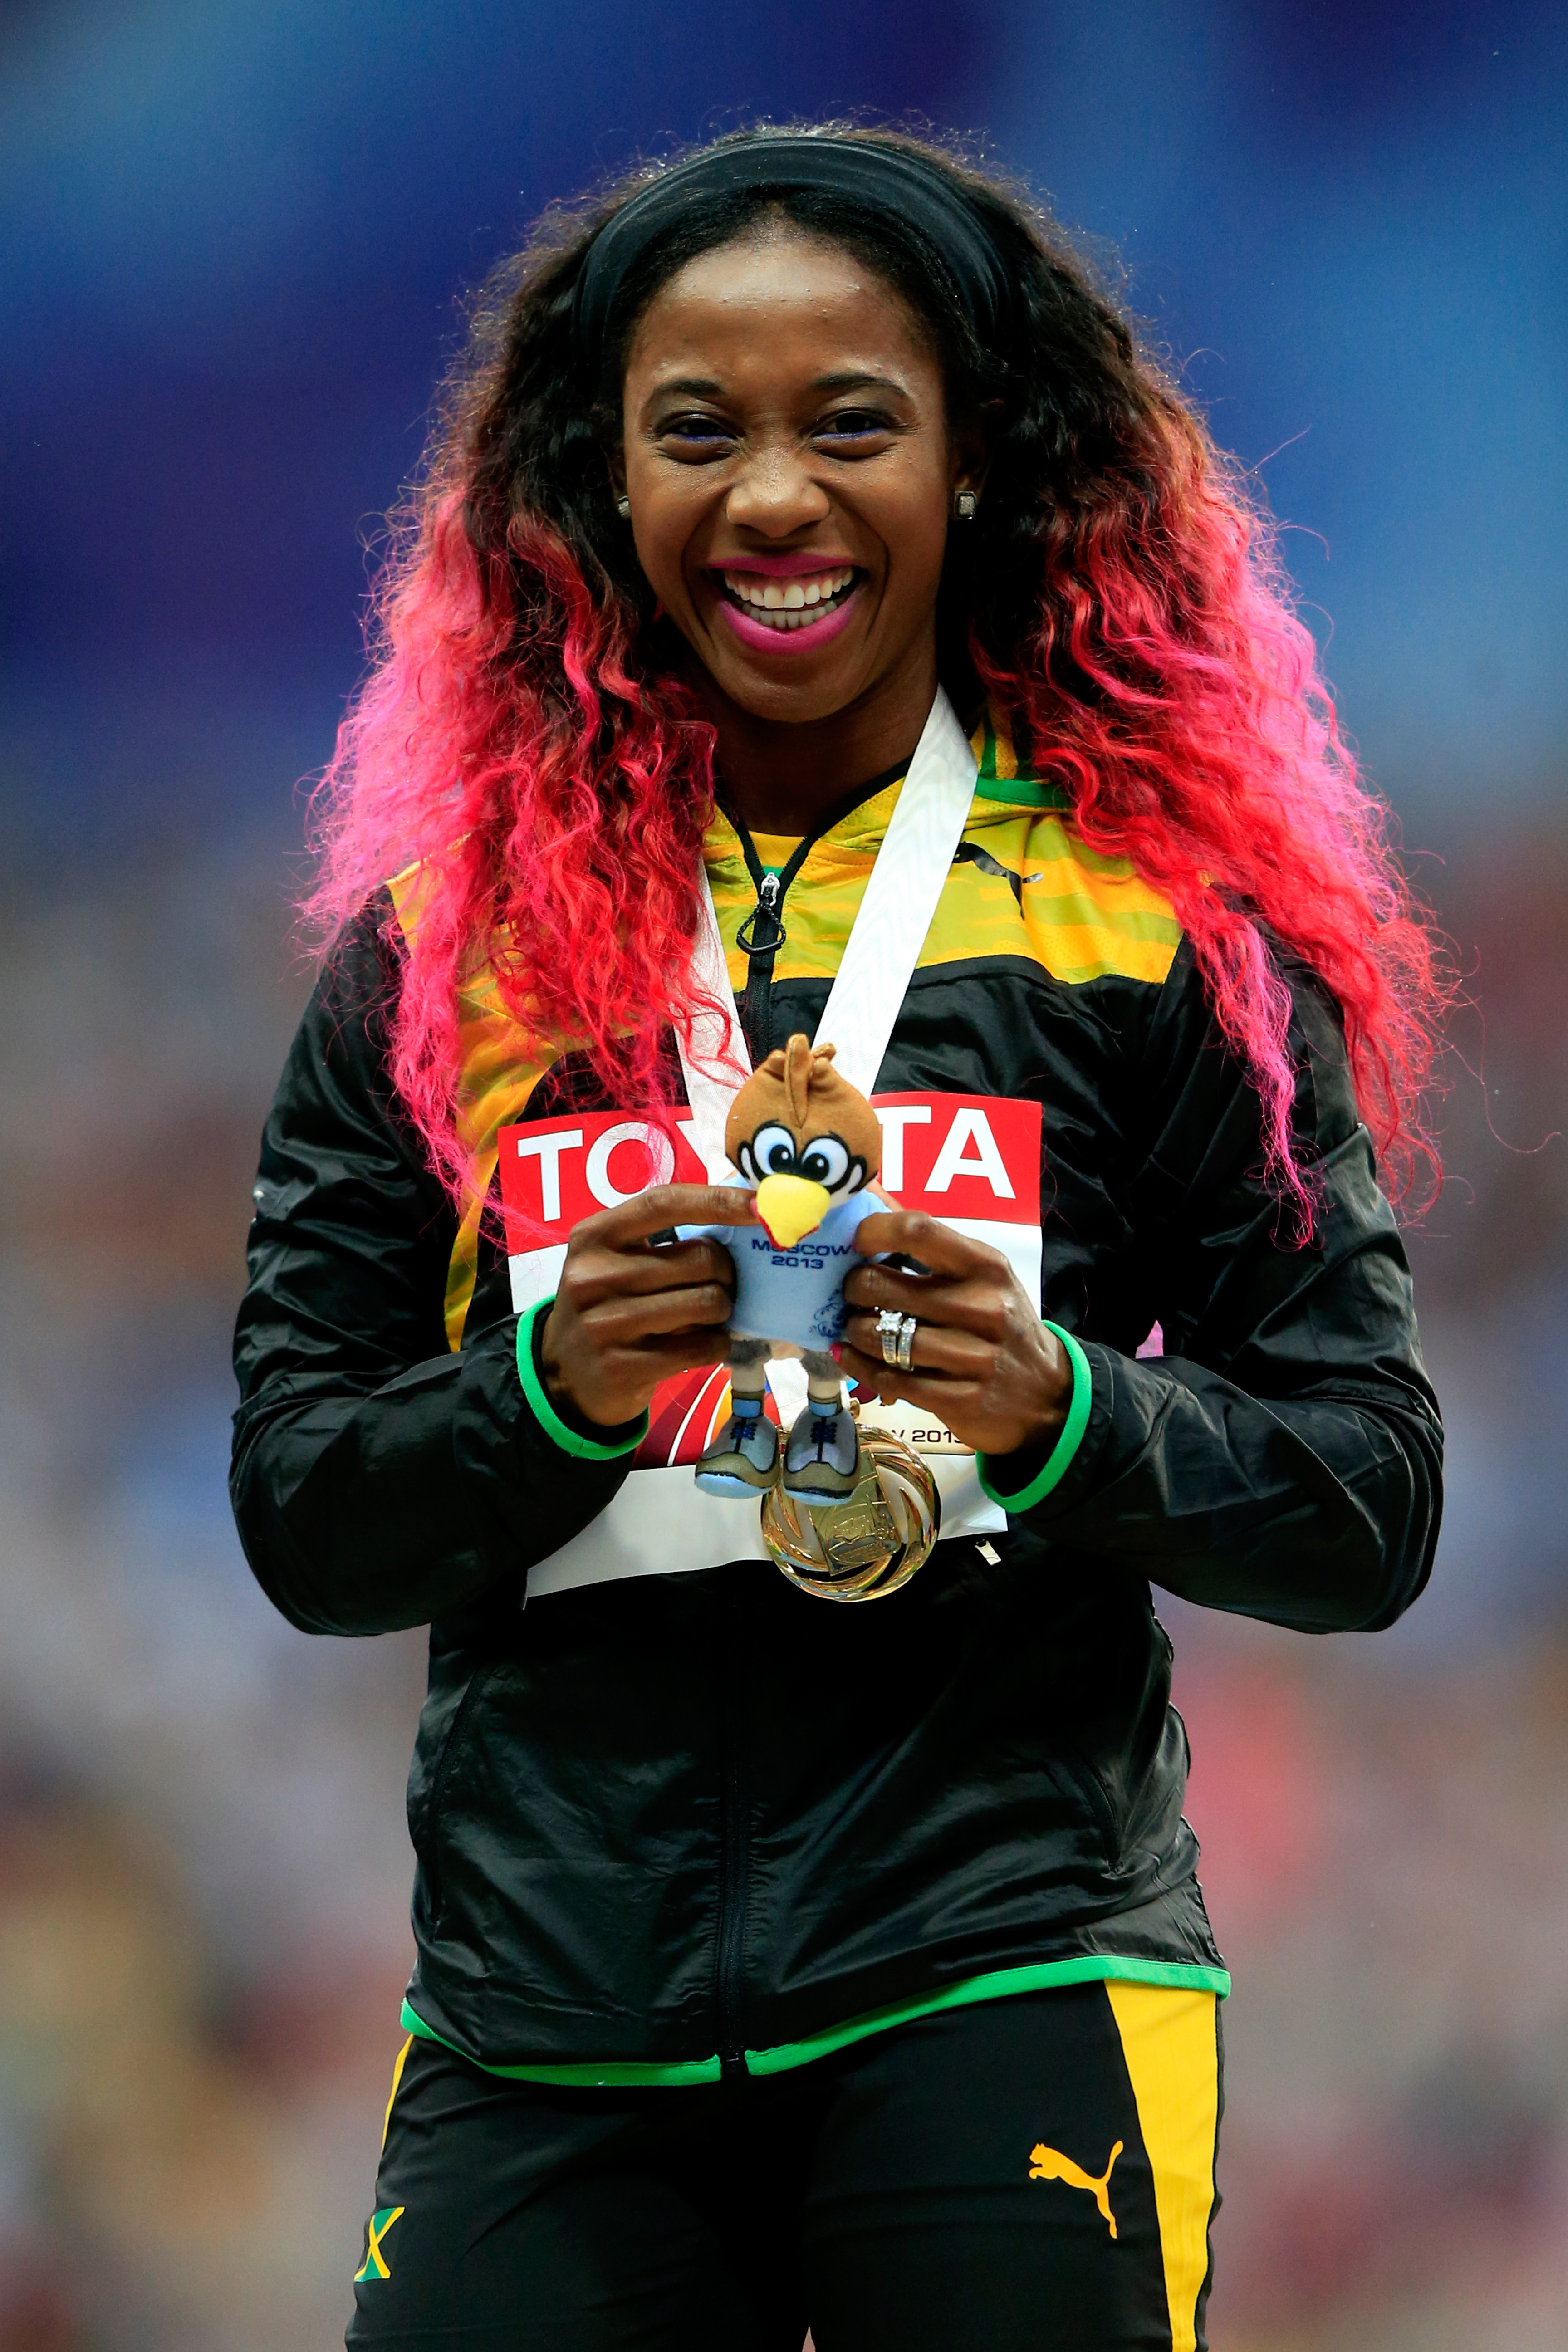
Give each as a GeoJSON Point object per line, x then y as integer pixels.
{"type": "Point", "coordinates": [628, 1315]}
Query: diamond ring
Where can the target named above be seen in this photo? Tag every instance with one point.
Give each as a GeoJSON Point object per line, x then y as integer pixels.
{"type": "Point", "coordinates": [897, 1334]}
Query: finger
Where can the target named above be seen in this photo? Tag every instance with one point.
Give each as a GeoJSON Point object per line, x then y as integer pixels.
{"type": "Point", "coordinates": [676, 1352]}
{"type": "Point", "coordinates": [913, 1235]}
{"type": "Point", "coordinates": [961, 1354]}
{"type": "Point", "coordinates": [711, 1205]}
{"type": "Point", "coordinates": [663, 1205]}
{"type": "Point", "coordinates": [625, 1379]}
{"type": "Point", "coordinates": [598, 1274]}
{"type": "Point", "coordinates": [975, 1304]}
{"type": "Point", "coordinates": [621, 1322]}
{"type": "Point", "coordinates": [930, 1390]}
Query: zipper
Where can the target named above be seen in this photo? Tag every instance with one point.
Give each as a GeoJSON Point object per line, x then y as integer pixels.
{"type": "Point", "coordinates": [477, 1683]}
{"type": "Point", "coordinates": [763, 933]}
{"type": "Point", "coordinates": [732, 1852]}
{"type": "Point", "coordinates": [1093, 1790]}
{"type": "Point", "coordinates": [770, 897]}
{"type": "Point", "coordinates": [761, 936]}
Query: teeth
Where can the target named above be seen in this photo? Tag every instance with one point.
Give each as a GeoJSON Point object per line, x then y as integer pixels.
{"type": "Point", "coordinates": [786, 598]}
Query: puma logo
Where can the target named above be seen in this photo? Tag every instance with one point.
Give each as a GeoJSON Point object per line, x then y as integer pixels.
{"type": "Point", "coordinates": [1045, 2164]}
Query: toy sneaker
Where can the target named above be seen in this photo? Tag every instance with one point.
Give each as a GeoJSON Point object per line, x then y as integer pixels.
{"type": "Point", "coordinates": [743, 1459]}
{"type": "Point", "coordinates": [821, 1460]}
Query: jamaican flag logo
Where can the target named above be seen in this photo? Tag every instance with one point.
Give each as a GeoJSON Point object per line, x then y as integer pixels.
{"type": "Point", "coordinates": [376, 2228]}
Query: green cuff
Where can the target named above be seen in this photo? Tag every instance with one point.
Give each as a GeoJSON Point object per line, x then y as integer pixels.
{"type": "Point", "coordinates": [570, 1440]}
{"type": "Point", "coordinates": [1066, 1444]}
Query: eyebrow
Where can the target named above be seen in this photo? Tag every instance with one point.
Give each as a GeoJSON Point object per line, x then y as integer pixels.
{"type": "Point", "coordinates": [697, 387]}
{"type": "Point", "coordinates": [856, 379]}
{"type": "Point", "coordinates": [707, 387]}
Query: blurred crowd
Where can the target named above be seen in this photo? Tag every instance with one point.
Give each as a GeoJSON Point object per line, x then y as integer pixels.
{"type": "Point", "coordinates": [202, 1868]}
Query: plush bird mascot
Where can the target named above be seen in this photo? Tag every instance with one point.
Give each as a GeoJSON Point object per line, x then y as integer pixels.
{"type": "Point", "coordinates": [808, 1144]}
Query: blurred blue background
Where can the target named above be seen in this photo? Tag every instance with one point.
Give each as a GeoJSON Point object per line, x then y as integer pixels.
{"type": "Point", "coordinates": [236, 246]}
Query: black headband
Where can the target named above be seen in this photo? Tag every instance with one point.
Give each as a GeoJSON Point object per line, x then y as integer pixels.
{"type": "Point", "coordinates": [888, 179]}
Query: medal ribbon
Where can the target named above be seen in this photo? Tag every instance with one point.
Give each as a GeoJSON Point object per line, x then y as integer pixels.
{"type": "Point", "coordinates": [879, 956]}
{"type": "Point", "coordinates": [660, 1522]}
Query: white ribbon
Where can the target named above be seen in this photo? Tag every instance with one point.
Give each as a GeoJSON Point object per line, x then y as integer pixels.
{"type": "Point", "coordinates": [879, 956]}
{"type": "Point", "coordinates": [661, 1522]}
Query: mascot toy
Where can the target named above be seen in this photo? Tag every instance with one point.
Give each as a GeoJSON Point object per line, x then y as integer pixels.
{"type": "Point", "coordinates": [808, 1144]}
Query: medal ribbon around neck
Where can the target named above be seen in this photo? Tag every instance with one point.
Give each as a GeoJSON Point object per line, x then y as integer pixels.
{"type": "Point", "coordinates": [849, 1551]}
{"type": "Point", "coordinates": [879, 956]}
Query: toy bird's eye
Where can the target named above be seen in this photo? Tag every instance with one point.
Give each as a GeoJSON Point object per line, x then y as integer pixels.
{"type": "Point", "coordinates": [825, 1161]}
{"type": "Point", "coordinates": [773, 1149]}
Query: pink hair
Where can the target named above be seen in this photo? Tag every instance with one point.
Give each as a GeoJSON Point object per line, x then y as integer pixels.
{"type": "Point", "coordinates": [519, 741]}
{"type": "Point", "coordinates": [559, 835]}
{"type": "Point", "coordinates": [1207, 750]}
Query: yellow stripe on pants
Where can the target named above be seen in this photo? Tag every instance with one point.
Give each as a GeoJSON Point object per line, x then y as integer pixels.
{"type": "Point", "coordinates": [1169, 2042]}
{"type": "Point", "coordinates": [396, 2078]}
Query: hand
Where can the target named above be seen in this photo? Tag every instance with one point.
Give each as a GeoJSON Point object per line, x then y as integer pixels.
{"type": "Point", "coordinates": [981, 1357]}
{"type": "Point", "coordinates": [627, 1315]}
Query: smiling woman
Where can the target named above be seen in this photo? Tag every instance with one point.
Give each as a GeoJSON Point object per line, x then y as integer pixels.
{"type": "Point", "coordinates": [791, 470]}
{"type": "Point", "coordinates": [821, 621]}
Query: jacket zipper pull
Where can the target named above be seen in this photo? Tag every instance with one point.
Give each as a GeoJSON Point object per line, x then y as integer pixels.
{"type": "Point", "coordinates": [748, 937]}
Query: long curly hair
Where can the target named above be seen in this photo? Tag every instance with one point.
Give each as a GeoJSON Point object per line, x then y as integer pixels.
{"type": "Point", "coordinates": [523, 736]}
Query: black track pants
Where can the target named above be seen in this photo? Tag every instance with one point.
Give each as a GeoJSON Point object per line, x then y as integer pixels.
{"type": "Point", "coordinates": [1018, 2176]}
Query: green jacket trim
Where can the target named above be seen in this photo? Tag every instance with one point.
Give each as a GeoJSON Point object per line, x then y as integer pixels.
{"type": "Point", "coordinates": [1066, 1444]}
{"type": "Point", "coordinates": [569, 1440]}
{"type": "Point", "coordinates": [1088, 1967]}
{"type": "Point", "coordinates": [605, 2075]}
{"type": "Point", "coordinates": [1023, 792]}
{"type": "Point", "coordinates": [1020, 792]}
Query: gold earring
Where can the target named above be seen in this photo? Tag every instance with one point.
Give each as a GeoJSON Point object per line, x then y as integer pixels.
{"type": "Point", "coordinates": [624, 508]}
{"type": "Point", "coordinates": [964, 505]}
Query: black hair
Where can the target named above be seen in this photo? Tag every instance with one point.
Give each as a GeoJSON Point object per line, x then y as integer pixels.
{"type": "Point", "coordinates": [529, 736]}
{"type": "Point", "coordinates": [1061, 399]}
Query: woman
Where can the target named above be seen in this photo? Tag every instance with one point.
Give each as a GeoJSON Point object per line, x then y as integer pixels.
{"type": "Point", "coordinates": [781, 1965]}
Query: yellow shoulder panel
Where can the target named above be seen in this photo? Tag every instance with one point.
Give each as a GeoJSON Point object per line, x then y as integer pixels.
{"type": "Point", "coordinates": [1023, 884]}
{"type": "Point", "coordinates": [1086, 916]}
{"type": "Point", "coordinates": [502, 1066]}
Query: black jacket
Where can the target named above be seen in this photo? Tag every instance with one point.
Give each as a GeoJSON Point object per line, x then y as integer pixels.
{"type": "Point", "coordinates": [663, 1823]}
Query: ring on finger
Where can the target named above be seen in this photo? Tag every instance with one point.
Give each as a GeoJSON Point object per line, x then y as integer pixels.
{"type": "Point", "coordinates": [897, 1334]}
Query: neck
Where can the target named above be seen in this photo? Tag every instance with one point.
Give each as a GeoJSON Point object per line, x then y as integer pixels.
{"type": "Point", "coordinates": [782, 777]}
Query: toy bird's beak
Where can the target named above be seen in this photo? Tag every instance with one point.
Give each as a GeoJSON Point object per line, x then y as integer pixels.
{"type": "Point", "coordinates": [790, 1206]}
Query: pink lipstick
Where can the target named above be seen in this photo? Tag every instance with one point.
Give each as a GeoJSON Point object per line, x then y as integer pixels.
{"type": "Point", "coordinates": [783, 567]}
{"type": "Point", "coordinates": [768, 638]}
{"type": "Point", "coordinates": [770, 613]}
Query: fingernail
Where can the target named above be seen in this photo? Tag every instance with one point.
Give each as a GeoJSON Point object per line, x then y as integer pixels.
{"type": "Point", "coordinates": [836, 1352]}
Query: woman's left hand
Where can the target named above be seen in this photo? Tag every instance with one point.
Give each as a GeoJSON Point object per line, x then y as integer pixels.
{"type": "Point", "coordinates": [982, 1357]}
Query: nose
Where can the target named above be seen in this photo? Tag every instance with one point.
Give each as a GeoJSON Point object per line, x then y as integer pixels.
{"type": "Point", "coordinates": [776, 494]}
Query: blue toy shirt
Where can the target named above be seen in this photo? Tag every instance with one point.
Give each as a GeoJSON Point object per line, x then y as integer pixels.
{"type": "Point", "coordinates": [797, 1294]}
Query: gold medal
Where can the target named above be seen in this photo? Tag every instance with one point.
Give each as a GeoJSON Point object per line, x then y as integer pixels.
{"type": "Point", "coordinates": [867, 1546]}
